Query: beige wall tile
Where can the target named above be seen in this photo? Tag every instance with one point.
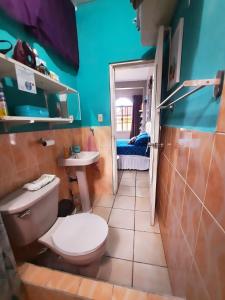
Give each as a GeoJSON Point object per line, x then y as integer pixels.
{"type": "Point", "coordinates": [95, 290]}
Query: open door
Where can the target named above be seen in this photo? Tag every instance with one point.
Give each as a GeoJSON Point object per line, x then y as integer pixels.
{"type": "Point", "coordinates": [114, 154]}
{"type": "Point", "coordinates": [155, 121]}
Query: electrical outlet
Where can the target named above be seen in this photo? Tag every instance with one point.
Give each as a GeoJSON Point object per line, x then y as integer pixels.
{"type": "Point", "coordinates": [100, 117]}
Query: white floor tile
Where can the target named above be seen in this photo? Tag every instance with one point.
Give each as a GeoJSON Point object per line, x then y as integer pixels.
{"type": "Point", "coordinates": [124, 202]}
{"type": "Point", "coordinates": [142, 192]}
{"type": "Point", "coordinates": [122, 218]}
{"type": "Point", "coordinates": [129, 174]}
{"type": "Point", "coordinates": [142, 222]}
{"type": "Point", "coordinates": [127, 181]}
{"type": "Point", "coordinates": [142, 174]}
{"type": "Point", "coordinates": [116, 271]}
{"type": "Point", "coordinates": [126, 190]}
{"type": "Point", "coordinates": [152, 279]}
{"type": "Point", "coordinates": [120, 243]}
{"type": "Point", "coordinates": [105, 201]}
{"type": "Point", "coordinates": [143, 183]}
{"type": "Point", "coordinates": [148, 248]}
{"type": "Point", "coordinates": [143, 204]}
{"type": "Point", "coordinates": [103, 212]}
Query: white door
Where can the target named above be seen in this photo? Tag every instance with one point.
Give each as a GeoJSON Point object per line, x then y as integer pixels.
{"type": "Point", "coordinates": [113, 127]}
{"type": "Point", "coordinates": [155, 121]}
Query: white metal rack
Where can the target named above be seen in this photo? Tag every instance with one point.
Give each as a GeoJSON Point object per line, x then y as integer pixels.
{"type": "Point", "coordinates": [48, 85]}
{"type": "Point", "coordinates": [196, 85]}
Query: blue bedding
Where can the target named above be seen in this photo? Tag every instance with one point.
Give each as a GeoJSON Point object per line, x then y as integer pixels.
{"type": "Point", "coordinates": [123, 148]}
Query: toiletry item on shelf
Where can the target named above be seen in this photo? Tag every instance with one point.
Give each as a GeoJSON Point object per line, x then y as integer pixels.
{"type": "Point", "coordinates": [3, 105]}
{"type": "Point", "coordinates": [31, 111]}
{"type": "Point", "coordinates": [64, 109]}
{"type": "Point", "coordinates": [39, 183]}
{"type": "Point", "coordinates": [66, 152]}
{"type": "Point", "coordinates": [54, 76]}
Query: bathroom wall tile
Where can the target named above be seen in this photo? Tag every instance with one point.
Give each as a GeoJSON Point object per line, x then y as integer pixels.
{"type": "Point", "coordinates": [121, 293]}
{"type": "Point", "coordinates": [177, 193]}
{"type": "Point", "coordinates": [174, 145]}
{"type": "Point", "coordinates": [183, 151]}
{"type": "Point", "coordinates": [210, 256]}
{"type": "Point", "coordinates": [196, 288]}
{"type": "Point", "coordinates": [116, 271]}
{"type": "Point", "coordinates": [190, 218]}
{"type": "Point", "coordinates": [8, 169]}
{"type": "Point", "coordinates": [33, 292]}
{"type": "Point", "coordinates": [95, 290]}
{"type": "Point", "coordinates": [199, 160]}
{"type": "Point", "coordinates": [34, 274]}
{"type": "Point", "coordinates": [221, 117]}
{"type": "Point", "coordinates": [215, 194]}
{"type": "Point", "coordinates": [64, 282]}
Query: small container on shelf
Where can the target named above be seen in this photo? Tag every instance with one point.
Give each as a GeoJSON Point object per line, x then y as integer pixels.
{"type": "Point", "coordinates": [3, 104]}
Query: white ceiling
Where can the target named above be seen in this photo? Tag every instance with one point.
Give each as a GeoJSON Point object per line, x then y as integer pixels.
{"type": "Point", "coordinates": [135, 73]}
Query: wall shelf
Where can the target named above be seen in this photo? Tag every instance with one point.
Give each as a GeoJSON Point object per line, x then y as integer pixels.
{"type": "Point", "coordinates": [50, 86]}
{"type": "Point", "coordinates": [16, 120]}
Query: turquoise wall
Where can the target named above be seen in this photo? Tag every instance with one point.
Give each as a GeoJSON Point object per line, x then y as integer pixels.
{"type": "Point", "coordinates": [203, 55]}
{"type": "Point", "coordinates": [106, 35]}
{"type": "Point", "coordinates": [11, 30]}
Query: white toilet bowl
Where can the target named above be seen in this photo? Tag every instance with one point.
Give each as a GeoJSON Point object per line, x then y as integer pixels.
{"type": "Point", "coordinates": [80, 239]}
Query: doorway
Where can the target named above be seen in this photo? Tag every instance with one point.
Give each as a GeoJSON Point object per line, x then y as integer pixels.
{"type": "Point", "coordinates": [131, 85]}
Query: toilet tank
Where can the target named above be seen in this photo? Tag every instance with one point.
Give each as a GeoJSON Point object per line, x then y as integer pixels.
{"type": "Point", "coordinates": [29, 214]}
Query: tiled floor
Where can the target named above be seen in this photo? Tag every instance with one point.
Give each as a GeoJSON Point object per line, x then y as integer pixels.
{"type": "Point", "coordinates": [135, 255]}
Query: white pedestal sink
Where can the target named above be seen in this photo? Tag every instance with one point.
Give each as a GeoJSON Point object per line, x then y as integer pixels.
{"type": "Point", "coordinates": [80, 161]}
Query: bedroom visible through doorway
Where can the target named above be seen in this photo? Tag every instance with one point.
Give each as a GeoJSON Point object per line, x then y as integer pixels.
{"type": "Point", "coordinates": [131, 93]}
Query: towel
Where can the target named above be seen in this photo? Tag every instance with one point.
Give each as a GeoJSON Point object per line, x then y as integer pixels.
{"type": "Point", "coordinates": [39, 183]}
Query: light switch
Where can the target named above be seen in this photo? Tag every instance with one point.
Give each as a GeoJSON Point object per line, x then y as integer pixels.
{"type": "Point", "coordinates": [100, 117]}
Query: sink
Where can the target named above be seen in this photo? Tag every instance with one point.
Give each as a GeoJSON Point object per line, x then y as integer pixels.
{"type": "Point", "coordinates": [79, 161]}
{"type": "Point", "coordinates": [84, 158]}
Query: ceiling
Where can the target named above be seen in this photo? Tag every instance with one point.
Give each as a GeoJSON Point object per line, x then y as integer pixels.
{"type": "Point", "coordinates": [132, 73]}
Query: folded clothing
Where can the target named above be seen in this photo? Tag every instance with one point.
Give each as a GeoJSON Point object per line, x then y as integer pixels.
{"type": "Point", "coordinates": [39, 183]}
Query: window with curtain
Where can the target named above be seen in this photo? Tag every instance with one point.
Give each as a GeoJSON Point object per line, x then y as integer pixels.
{"type": "Point", "coordinates": [124, 112]}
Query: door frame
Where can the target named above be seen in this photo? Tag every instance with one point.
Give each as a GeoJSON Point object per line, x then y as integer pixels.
{"type": "Point", "coordinates": [112, 107]}
{"type": "Point", "coordinates": [155, 133]}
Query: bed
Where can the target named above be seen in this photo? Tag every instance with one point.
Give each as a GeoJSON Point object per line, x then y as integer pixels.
{"type": "Point", "coordinates": [131, 156]}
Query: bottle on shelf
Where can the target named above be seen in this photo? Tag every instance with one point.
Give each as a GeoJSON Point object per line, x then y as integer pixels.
{"type": "Point", "coordinates": [3, 104]}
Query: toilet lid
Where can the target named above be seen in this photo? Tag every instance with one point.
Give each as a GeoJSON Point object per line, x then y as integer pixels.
{"type": "Point", "coordinates": [80, 234]}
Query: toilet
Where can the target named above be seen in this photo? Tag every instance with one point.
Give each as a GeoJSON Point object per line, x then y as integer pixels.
{"type": "Point", "coordinates": [79, 239]}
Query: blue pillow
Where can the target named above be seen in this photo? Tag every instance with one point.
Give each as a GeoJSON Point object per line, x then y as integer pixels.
{"type": "Point", "coordinates": [142, 139]}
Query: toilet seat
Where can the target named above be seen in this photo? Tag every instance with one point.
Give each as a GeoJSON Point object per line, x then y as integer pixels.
{"type": "Point", "coordinates": [77, 235]}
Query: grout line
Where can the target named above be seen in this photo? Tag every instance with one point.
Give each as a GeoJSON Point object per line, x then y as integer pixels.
{"type": "Point", "coordinates": [202, 202]}
{"type": "Point", "coordinates": [136, 261]}
{"type": "Point", "coordinates": [132, 275]}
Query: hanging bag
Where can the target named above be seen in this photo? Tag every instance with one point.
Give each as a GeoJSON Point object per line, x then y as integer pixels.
{"type": "Point", "coordinates": [5, 50]}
